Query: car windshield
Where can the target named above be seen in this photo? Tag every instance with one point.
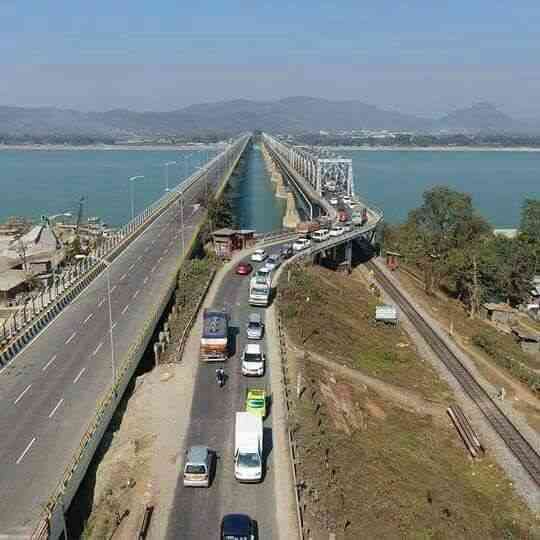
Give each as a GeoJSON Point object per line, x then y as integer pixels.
{"type": "Point", "coordinates": [254, 326]}
{"type": "Point", "coordinates": [235, 537]}
{"type": "Point", "coordinates": [195, 469]}
{"type": "Point", "coordinates": [249, 357]}
{"type": "Point", "coordinates": [249, 460]}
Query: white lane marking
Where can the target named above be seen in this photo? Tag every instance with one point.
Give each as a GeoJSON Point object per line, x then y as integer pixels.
{"type": "Point", "coordinates": [112, 288]}
{"type": "Point", "coordinates": [114, 324]}
{"type": "Point", "coordinates": [136, 293]}
{"type": "Point", "coordinates": [145, 280]}
{"type": "Point", "coordinates": [22, 394]}
{"type": "Point", "coordinates": [166, 251]}
{"type": "Point", "coordinates": [123, 277]}
{"type": "Point", "coordinates": [125, 309]}
{"type": "Point", "coordinates": [21, 457]}
{"type": "Point", "coordinates": [79, 375]}
{"type": "Point", "coordinates": [146, 249]}
{"type": "Point", "coordinates": [49, 363]}
{"type": "Point", "coordinates": [131, 267]}
{"type": "Point", "coordinates": [96, 350]}
{"type": "Point", "coordinates": [51, 414]}
{"type": "Point", "coordinates": [139, 258]}
{"type": "Point", "coordinates": [68, 340]}
{"type": "Point", "coordinates": [152, 270]}
{"type": "Point", "coordinates": [88, 318]}
{"type": "Point", "coordinates": [160, 259]}
{"type": "Point", "coordinates": [100, 303]}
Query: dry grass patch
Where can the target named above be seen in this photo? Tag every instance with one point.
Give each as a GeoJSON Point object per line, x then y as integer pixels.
{"type": "Point", "coordinates": [372, 470]}
{"type": "Point", "coordinates": [338, 322]}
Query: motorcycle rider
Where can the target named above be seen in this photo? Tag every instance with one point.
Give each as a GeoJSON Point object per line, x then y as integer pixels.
{"type": "Point", "coordinates": [220, 376]}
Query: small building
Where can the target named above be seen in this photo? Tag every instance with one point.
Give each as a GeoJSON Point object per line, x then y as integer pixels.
{"type": "Point", "coordinates": [387, 314]}
{"type": "Point", "coordinates": [226, 241]}
{"type": "Point", "coordinates": [529, 341]}
{"type": "Point", "coordinates": [12, 282]}
{"type": "Point", "coordinates": [499, 313]}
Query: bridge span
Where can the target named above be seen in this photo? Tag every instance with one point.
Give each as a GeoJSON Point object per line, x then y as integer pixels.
{"type": "Point", "coordinates": [60, 391]}
{"type": "Point", "coordinates": [318, 181]}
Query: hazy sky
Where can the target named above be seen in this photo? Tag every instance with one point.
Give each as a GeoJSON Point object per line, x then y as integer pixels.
{"type": "Point", "coordinates": [416, 56]}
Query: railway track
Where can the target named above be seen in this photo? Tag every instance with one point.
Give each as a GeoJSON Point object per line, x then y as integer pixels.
{"type": "Point", "coordinates": [514, 440]}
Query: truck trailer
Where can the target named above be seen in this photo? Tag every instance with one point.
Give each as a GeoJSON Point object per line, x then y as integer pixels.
{"type": "Point", "coordinates": [215, 336]}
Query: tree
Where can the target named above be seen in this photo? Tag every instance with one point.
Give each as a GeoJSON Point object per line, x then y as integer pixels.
{"type": "Point", "coordinates": [446, 221]}
{"type": "Point", "coordinates": [530, 230]}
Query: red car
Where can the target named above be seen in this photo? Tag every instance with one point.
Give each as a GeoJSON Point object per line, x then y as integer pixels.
{"type": "Point", "coordinates": [244, 269]}
{"type": "Point", "coordinates": [342, 216]}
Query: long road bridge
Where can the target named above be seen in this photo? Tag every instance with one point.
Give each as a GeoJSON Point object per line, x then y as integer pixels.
{"type": "Point", "coordinates": [310, 175]}
{"type": "Point", "coordinates": [61, 387]}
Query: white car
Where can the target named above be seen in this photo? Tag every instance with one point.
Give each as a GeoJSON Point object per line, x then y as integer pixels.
{"type": "Point", "coordinates": [337, 231]}
{"type": "Point", "coordinates": [353, 204]}
{"type": "Point", "coordinates": [259, 255]}
{"type": "Point", "coordinates": [347, 200]}
{"type": "Point", "coordinates": [347, 227]}
{"type": "Point", "coordinates": [334, 201]}
{"type": "Point", "coordinates": [301, 243]}
{"type": "Point", "coordinates": [253, 360]}
{"type": "Point", "coordinates": [272, 263]}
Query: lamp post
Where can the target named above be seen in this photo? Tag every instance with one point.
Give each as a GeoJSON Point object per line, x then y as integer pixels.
{"type": "Point", "coordinates": [132, 194]}
{"type": "Point", "coordinates": [166, 165]}
{"type": "Point", "coordinates": [113, 362]}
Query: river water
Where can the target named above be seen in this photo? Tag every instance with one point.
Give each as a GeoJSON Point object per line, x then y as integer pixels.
{"type": "Point", "coordinates": [252, 195]}
{"type": "Point", "coordinates": [39, 182]}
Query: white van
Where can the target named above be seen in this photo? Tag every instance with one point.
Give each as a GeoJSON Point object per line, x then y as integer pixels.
{"type": "Point", "coordinates": [321, 235]}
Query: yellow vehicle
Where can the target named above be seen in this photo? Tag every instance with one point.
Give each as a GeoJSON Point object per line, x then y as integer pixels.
{"type": "Point", "coordinates": [256, 402]}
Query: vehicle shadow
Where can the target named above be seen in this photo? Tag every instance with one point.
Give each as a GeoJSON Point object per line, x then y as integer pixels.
{"type": "Point", "coordinates": [234, 332]}
{"type": "Point", "coordinates": [268, 446]}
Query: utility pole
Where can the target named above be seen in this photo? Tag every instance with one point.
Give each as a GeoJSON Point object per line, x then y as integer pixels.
{"type": "Point", "coordinates": [474, 299]}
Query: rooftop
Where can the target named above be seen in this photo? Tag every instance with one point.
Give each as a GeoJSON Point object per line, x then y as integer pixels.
{"type": "Point", "coordinates": [498, 307]}
{"type": "Point", "coordinates": [11, 279]}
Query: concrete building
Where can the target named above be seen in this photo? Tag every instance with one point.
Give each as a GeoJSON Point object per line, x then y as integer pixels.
{"type": "Point", "coordinates": [38, 251]}
{"type": "Point", "coordinates": [228, 240]}
{"type": "Point", "coordinates": [12, 282]}
{"type": "Point", "coordinates": [528, 341]}
{"type": "Point", "coordinates": [500, 313]}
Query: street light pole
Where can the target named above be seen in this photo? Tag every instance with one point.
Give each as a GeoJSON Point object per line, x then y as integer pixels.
{"type": "Point", "coordinates": [113, 363]}
{"type": "Point", "coordinates": [166, 164]}
{"type": "Point", "coordinates": [132, 194]}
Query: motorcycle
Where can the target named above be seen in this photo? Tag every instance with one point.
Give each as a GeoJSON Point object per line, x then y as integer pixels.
{"type": "Point", "coordinates": [220, 377]}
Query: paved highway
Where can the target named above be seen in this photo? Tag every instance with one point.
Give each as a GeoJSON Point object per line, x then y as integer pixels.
{"type": "Point", "coordinates": [197, 512]}
{"type": "Point", "coordinates": [49, 393]}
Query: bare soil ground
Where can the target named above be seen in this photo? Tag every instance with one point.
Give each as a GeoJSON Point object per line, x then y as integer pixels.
{"type": "Point", "coordinates": [372, 465]}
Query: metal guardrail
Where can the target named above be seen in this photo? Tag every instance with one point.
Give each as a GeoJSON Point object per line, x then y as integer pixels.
{"type": "Point", "coordinates": [293, 451]}
{"type": "Point", "coordinates": [107, 404]}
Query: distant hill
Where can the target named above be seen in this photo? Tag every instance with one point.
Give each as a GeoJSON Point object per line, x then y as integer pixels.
{"type": "Point", "coordinates": [480, 117]}
{"type": "Point", "coordinates": [294, 114]}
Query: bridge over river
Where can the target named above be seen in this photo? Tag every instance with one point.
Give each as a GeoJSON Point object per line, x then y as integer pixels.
{"type": "Point", "coordinates": [68, 367]}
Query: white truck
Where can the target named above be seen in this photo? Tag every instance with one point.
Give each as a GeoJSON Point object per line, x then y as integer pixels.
{"type": "Point", "coordinates": [248, 447]}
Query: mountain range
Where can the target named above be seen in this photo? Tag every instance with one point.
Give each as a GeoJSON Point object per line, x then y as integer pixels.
{"type": "Point", "coordinates": [292, 115]}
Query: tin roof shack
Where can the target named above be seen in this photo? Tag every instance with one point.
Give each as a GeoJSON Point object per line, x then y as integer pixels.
{"type": "Point", "coordinates": [528, 341]}
{"type": "Point", "coordinates": [228, 240]}
{"type": "Point", "coordinates": [38, 251]}
{"type": "Point", "coordinates": [497, 313]}
{"type": "Point", "coordinates": [12, 282]}
{"type": "Point", "coordinates": [387, 314]}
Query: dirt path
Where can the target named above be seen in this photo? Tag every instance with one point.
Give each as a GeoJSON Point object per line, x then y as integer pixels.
{"type": "Point", "coordinates": [405, 399]}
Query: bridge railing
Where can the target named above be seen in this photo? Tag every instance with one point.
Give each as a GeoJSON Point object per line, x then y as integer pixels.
{"type": "Point", "coordinates": [24, 325]}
